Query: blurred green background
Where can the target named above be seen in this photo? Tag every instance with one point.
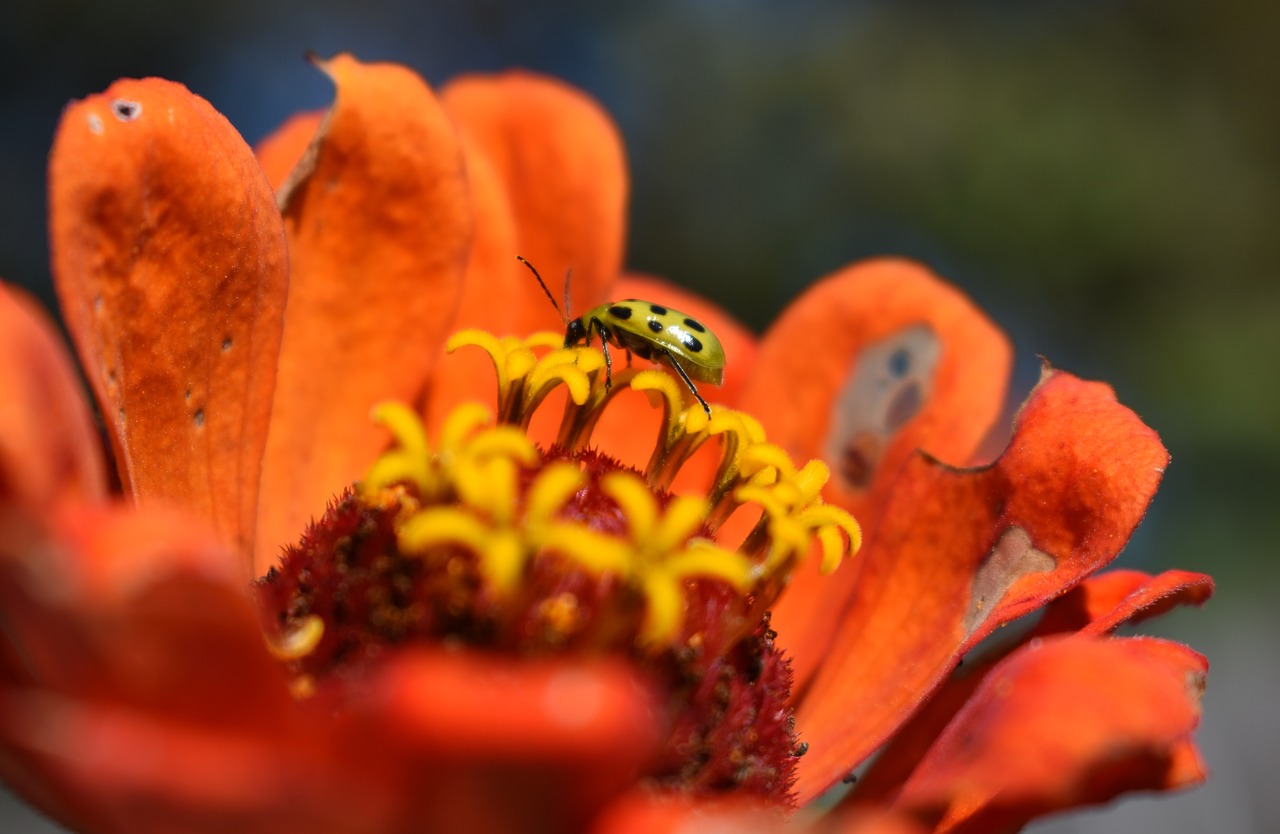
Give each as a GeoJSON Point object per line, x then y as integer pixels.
{"type": "Point", "coordinates": [1102, 177]}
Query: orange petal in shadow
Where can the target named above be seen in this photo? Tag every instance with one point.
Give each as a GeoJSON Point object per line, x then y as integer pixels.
{"type": "Point", "coordinates": [49, 448]}
{"type": "Point", "coordinates": [379, 228]}
{"type": "Point", "coordinates": [1095, 607]}
{"type": "Point", "coordinates": [960, 552]}
{"type": "Point", "coordinates": [1062, 723]}
{"type": "Point", "coordinates": [561, 161]}
{"type": "Point", "coordinates": [170, 262]}
{"type": "Point", "coordinates": [1103, 603]}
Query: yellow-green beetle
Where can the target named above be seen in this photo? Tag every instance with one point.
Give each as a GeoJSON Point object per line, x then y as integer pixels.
{"type": "Point", "coordinates": [649, 330]}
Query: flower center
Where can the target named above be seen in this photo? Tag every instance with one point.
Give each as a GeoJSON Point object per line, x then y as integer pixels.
{"type": "Point", "coordinates": [489, 542]}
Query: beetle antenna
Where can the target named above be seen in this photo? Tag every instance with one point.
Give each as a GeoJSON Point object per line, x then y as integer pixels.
{"type": "Point", "coordinates": [563, 316]}
{"type": "Point", "coordinates": [568, 276]}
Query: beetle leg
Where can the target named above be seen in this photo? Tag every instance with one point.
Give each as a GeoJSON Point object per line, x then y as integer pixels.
{"type": "Point", "coordinates": [672, 360]}
{"type": "Point", "coordinates": [604, 347]}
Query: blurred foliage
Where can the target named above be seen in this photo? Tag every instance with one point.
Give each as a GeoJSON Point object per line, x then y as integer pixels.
{"type": "Point", "coordinates": [1101, 176]}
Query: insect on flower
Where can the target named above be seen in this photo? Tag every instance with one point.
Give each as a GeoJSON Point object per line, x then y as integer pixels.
{"type": "Point", "coordinates": [648, 330]}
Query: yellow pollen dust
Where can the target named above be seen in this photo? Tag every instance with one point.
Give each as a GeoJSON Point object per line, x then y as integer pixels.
{"type": "Point", "coordinates": [468, 490]}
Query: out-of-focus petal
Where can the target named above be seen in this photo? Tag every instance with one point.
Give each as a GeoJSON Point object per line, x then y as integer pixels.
{"type": "Point", "coordinates": [48, 446]}
{"type": "Point", "coordinates": [170, 262]}
{"type": "Point", "coordinates": [379, 228]}
{"type": "Point", "coordinates": [281, 151]}
{"type": "Point", "coordinates": [125, 769]}
{"type": "Point", "coordinates": [960, 552]}
{"type": "Point", "coordinates": [493, 746]}
{"type": "Point", "coordinates": [137, 606]}
{"type": "Point", "coordinates": [647, 813]}
{"type": "Point", "coordinates": [870, 364]}
{"type": "Point", "coordinates": [1094, 607]}
{"type": "Point", "coordinates": [563, 166]}
{"type": "Point", "coordinates": [132, 655]}
{"type": "Point", "coordinates": [1065, 722]}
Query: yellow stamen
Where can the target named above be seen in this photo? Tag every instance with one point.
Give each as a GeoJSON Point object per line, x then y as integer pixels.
{"type": "Point", "coordinates": [300, 640]}
{"type": "Point", "coordinates": [471, 496]}
{"type": "Point", "coordinates": [660, 561]}
{"type": "Point", "coordinates": [553, 488]}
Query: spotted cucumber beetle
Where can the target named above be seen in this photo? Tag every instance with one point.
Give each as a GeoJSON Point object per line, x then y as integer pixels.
{"type": "Point", "coordinates": [650, 331]}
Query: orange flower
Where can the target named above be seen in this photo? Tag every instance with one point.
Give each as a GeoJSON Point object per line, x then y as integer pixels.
{"type": "Point", "coordinates": [488, 634]}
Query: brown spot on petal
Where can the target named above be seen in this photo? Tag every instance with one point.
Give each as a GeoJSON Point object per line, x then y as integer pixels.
{"type": "Point", "coordinates": [1012, 558]}
{"type": "Point", "coordinates": [888, 383]}
{"type": "Point", "coordinates": [126, 111]}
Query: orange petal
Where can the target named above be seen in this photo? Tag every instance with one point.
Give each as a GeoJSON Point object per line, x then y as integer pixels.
{"type": "Point", "coordinates": [1094, 607]}
{"type": "Point", "coordinates": [561, 160]}
{"type": "Point", "coordinates": [379, 229]}
{"type": "Point", "coordinates": [1103, 603]}
{"type": "Point", "coordinates": [960, 552]}
{"type": "Point", "coordinates": [1065, 722]}
{"type": "Point", "coordinates": [495, 744]}
{"type": "Point", "coordinates": [279, 153]}
{"type": "Point", "coordinates": [169, 260]}
{"type": "Point", "coordinates": [49, 448]}
{"type": "Point", "coordinates": [870, 364]}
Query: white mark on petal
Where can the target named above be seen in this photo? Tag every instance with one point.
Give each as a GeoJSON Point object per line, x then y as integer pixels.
{"type": "Point", "coordinates": [1012, 558]}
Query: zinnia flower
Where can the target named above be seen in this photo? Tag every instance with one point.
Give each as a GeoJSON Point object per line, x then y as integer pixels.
{"type": "Point", "coordinates": [563, 607]}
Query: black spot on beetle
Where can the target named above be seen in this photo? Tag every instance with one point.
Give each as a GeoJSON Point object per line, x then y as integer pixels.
{"type": "Point", "coordinates": [655, 325]}
{"type": "Point", "coordinates": [619, 311]}
{"type": "Point", "coordinates": [690, 342]}
{"type": "Point", "coordinates": [657, 309]}
{"type": "Point", "coordinates": [693, 325]}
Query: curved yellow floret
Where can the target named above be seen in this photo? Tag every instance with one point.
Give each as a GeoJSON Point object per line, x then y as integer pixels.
{"type": "Point", "coordinates": [470, 492]}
